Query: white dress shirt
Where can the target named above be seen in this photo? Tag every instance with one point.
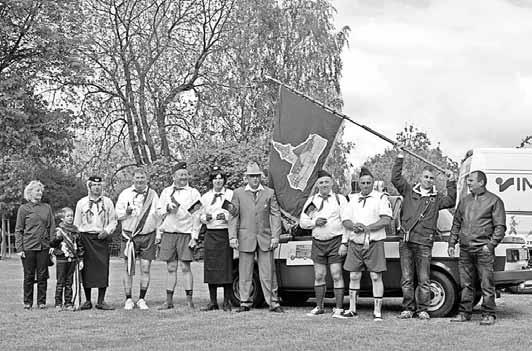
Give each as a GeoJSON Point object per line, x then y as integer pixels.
{"type": "Point", "coordinates": [95, 216]}
{"type": "Point", "coordinates": [182, 221]}
{"type": "Point", "coordinates": [136, 201]}
{"type": "Point", "coordinates": [331, 209]}
{"type": "Point", "coordinates": [212, 204]}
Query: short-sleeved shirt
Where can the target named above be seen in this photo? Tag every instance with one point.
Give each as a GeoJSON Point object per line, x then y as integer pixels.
{"type": "Point", "coordinates": [329, 207]}
{"type": "Point", "coordinates": [367, 210]}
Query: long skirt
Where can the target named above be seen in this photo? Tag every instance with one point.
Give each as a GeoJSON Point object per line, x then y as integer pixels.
{"type": "Point", "coordinates": [218, 261]}
{"type": "Point", "coordinates": [95, 273]}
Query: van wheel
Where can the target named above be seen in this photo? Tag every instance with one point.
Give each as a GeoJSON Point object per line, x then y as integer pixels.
{"type": "Point", "coordinates": [255, 294]}
{"type": "Point", "coordinates": [294, 299]}
{"type": "Point", "coordinates": [443, 295]}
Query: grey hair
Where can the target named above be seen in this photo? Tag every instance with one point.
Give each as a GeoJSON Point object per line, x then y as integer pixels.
{"type": "Point", "coordinates": [32, 185]}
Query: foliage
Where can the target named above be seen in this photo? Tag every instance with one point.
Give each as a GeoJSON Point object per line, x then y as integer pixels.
{"type": "Point", "coordinates": [526, 142]}
{"type": "Point", "coordinates": [418, 142]}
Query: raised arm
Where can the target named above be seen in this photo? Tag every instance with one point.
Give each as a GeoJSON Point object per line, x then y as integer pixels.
{"type": "Point", "coordinates": [398, 180]}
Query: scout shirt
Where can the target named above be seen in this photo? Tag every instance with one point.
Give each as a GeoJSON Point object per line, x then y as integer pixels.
{"type": "Point", "coordinates": [183, 221]}
{"type": "Point", "coordinates": [367, 210]}
{"type": "Point", "coordinates": [95, 216]}
{"type": "Point", "coordinates": [136, 200]}
{"type": "Point", "coordinates": [212, 203]}
{"type": "Point", "coordinates": [329, 207]}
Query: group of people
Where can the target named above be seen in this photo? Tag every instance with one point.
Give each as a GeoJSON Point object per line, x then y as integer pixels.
{"type": "Point", "coordinates": [347, 234]}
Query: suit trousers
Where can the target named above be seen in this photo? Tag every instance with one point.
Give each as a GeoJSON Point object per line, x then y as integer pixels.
{"type": "Point", "coordinates": [268, 278]}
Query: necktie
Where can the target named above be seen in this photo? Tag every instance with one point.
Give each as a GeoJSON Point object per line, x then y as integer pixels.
{"type": "Point", "coordinates": [324, 198]}
{"type": "Point", "coordinates": [255, 194]}
{"type": "Point", "coordinates": [176, 188]}
{"type": "Point", "coordinates": [216, 196]}
{"type": "Point", "coordinates": [363, 198]}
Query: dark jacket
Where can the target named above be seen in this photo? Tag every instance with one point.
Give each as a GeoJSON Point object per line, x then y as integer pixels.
{"type": "Point", "coordinates": [67, 250]}
{"type": "Point", "coordinates": [35, 227]}
{"type": "Point", "coordinates": [415, 206]}
{"type": "Point", "coordinates": [479, 220]}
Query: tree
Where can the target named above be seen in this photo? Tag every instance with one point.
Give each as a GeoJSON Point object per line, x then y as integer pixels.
{"type": "Point", "coordinates": [526, 142]}
{"type": "Point", "coordinates": [418, 142]}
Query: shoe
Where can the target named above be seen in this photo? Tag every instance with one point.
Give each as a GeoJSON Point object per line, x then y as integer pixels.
{"type": "Point", "coordinates": [227, 306]}
{"type": "Point", "coordinates": [277, 309]}
{"type": "Point", "coordinates": [69, 308]}
{"type": "Point", "coordinates": [104, 306]}
{"type": "Point", "coordinates": [129, 304]}
{"type": "Point", "coordinates": [87, 305]}
{"type": "Point", "coordinates": [41, 306]}
{"type": "Point", "coordinates": [377, 318]}
{"type": "Point", "coordinates": [210, 307]}
{"type": "Point", "coordinates": [350, 314]}
{"type": "Point", "coordinates": [243, 309]}
{"type": "Point", "coordinates": [142, 305]}
{"type": "Point", "coordinates": [58, 308]}
{"type": "Point", "coordinates": [487, 320]}
{"type": "Point", "coordinates": [423, 315]}
{"type": "Point", "coordinates": [165, 306]}
{"type": "Point", "coordinates": [406, 314]}
{"type": "Point", "coordinates": [316, 311]}
{"type": "Point", "coordinates": [27, 306]}
{"type": "Point", "coordinates": [462, 317]}
{"type": "Point", "coordinates": [338, 313]}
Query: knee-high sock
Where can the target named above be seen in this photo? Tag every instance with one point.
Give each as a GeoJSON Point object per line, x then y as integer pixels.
{"type": "Point", "coordinates": [320, 294]}
{"type": "Point", "coordinates": [339, 296]}
{"type": "Point", "coordinates": [353, 297]}
{"type": "Point", "coordinates": [377, 306]}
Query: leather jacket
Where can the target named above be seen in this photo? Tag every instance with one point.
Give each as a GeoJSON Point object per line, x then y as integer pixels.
{"type": "Point", "coordinates": [479, 220]}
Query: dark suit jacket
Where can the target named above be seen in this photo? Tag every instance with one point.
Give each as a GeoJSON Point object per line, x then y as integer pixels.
{"type": "Point", "coordinates": [254, 221]}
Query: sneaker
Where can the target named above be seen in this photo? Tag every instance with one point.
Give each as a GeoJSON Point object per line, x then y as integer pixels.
{"type": "Point", "coordinates": [104, 307]}
{"type": "Point", "coordinates": [487, 320]}
{"type": "Point", "coordinates": [42, 306]}
{"type": "Point", "coordinates": [462, 317]}
{"type": "Point", "coordinates": [129, 304]}
{"type": "Point", "coordinates": [58, 308]}
{"type": "Point", "coordinates": [87, 305]}
{"type": "Point", "coordinates": [27, 306]}
{"type": "Point", "coordinates": [316, 311]}
{"type": "Point", "coordinates": [338, 313]}
{"type": "Point", "coordinates": [350, 314]}
{"type": "Point", "coordinates": [406, 314]}
{"type": "Point", "coordinates": [142, 305]}
{"type": "Point", "coordinates": [165, 306]}
{"type": "Point", "coordinates": [423, 315]}
{"type": "Point", "coordinates": [377, 318]}
{"type": "Point", "coordinates": [69, 308]}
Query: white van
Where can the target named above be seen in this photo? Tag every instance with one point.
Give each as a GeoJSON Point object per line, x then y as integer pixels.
{"type": "Point", "coordinates": [509, 172]}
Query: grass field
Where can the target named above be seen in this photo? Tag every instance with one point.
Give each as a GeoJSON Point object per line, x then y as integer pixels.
{"type": "Point", "coordinates": [181, 329]}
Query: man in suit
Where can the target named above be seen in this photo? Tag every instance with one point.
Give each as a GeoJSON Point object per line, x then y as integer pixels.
{"type": "Point", "coordinates": [254, 228]}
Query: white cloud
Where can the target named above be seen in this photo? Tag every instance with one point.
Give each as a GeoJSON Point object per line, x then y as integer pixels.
{"type": "Point", "coordinates": [460, 70]}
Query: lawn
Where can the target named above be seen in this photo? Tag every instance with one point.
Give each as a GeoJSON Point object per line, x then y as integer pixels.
{"type": "Point", "coordinates": [258, 330]}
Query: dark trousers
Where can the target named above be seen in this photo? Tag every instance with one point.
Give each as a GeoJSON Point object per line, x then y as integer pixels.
{"type": "Point", "coordinates": [476, 264]}
{"type": "Point", "coordinates": [65, 277]}
{"type": "Point", "coordinates": [415, 261]}
{"type": "Point", "coordinates": [35, 265]}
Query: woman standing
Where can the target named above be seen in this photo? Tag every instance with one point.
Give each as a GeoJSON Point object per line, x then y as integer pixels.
{"type": "Point", "coordinates": [218, 262]}
{"type": "Point", "coordinates": [33, 232]}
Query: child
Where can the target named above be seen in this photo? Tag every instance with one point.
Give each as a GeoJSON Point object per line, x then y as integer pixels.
{"type": "Point", "coordinates": [68, 251]}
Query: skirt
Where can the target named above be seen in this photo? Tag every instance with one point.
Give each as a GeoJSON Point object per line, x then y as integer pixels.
{"type": "Point", "coordinates": [218, 258]}
{"type": "Point", "coordinates": [95, 272]}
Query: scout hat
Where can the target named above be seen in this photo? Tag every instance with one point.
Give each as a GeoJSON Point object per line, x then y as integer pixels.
{"type": "Point", "coordinates": [323, 173]}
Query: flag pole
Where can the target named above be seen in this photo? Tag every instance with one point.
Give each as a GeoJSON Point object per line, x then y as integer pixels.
{"type": "Point", "coordinates": [347, 118]}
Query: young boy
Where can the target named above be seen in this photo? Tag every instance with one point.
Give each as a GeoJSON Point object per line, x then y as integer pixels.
{"type": "Point", "coordinates": [68, 251]}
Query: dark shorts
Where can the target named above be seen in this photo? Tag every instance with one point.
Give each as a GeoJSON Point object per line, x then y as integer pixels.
{"type": "Point", "coordinates": [145, 247]}
{"type": "Point", "coordinates": [175, 247]}
{"type": "Point", "coordinates": [359, 259]}
{"type": "Point", "coordinates": [326, 251]}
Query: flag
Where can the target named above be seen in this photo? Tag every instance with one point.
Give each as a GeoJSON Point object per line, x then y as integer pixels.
{"type": "Point", "coordinates": [303, 135]}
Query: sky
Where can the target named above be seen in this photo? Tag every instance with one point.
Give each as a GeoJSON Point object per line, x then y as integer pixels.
{"type": "Point", "coordinates": [461, 71]}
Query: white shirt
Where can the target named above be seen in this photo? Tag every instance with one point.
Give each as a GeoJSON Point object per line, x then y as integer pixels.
{"type": "Point", "coordinates": [136, 201]}
{"type": "Point", "coordinates": [367, 210]}
{"type": "Point", "coordinates": [182, 221]}
{"type": "Point", "coordinates": [331, 210]}
{"type": "Point", "coordinates": [100, 216]}
{"type": "Point", "coordinates": [215, 208]}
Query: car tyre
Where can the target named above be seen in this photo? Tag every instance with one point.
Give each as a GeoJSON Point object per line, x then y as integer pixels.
{"type": "Point", "coordinates": [256, 290]}
{"type": "Point", "coordinates": [444, 295]}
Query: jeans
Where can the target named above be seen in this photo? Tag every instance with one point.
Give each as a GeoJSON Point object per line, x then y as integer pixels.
{"type": "Point", "coordinates": [65, 278]}
{"type": "Point", "coordinates": [475, 263]}
{"type": "Point", "coordinates": [35, 265]}
{"type": "Point", "coordinates": [415, 260]}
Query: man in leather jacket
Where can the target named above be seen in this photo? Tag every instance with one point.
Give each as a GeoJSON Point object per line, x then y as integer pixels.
{"type": "Point", "coordinates": [479, 225]}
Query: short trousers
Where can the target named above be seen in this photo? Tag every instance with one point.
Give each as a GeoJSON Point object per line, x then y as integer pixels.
{"type": "Point", "coordinates": [174, 246]}
{"type": "Point", "coordinates": [371, 259]}
{"type": "Point", "coordinates": [145, 247]}
{"type": "Point", "coordinates": [326, 251]}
